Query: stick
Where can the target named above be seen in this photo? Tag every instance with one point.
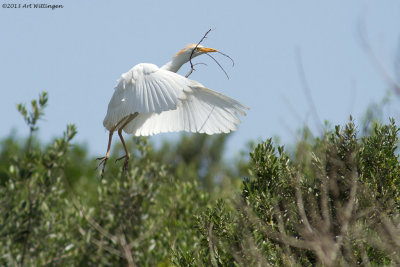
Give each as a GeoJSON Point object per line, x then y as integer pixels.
{"type": "Point", "coordinates": [191, 54]}
{"type": "Point", "coordinates": [227, 76]}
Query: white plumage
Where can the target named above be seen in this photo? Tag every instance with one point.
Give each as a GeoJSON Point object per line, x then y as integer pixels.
{"type": "Point", "coordinates": [202, 111]}
{"type": "Point", "coordinates": [150, 100]}
{"type": "Point", "coordinates": [145, 89]}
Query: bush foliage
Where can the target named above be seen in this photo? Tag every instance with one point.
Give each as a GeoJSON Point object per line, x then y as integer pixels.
{"type": "Point", "coordinates": [334, 201]}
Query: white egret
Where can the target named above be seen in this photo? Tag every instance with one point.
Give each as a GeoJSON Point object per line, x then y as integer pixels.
{"type": "Point", "coordinates": [150, 100]}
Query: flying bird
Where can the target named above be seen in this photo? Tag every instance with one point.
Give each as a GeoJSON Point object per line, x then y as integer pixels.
{"type": "Point", "coordinates": [149, 100]}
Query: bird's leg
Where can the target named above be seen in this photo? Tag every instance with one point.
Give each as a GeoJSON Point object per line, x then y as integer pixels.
{"type": "Point", "coordinates": [103, 160]}
{"type": "Point", "coordinates": [126, 156]}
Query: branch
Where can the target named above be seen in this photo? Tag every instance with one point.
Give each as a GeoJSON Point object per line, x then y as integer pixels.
{"type": "Point", "coordinates": [28, 231]}
{"type": "Point", "coordinates": [376, 62]}
{"type": "Point", "coordinates": [94, 224]}
{"type": "Point", "coordinates": [307, 91]}
{"type": "Point", "coordinates": [346, 212]}
{"type": "Point", "coordinates": [126, 248]}
{"type": "Point", "coordinates": [101, 244]}
{"type": "Point", "coordinates": [300, 206]}
{"type": "Point", "coordinates": [211, 245]}
{"type": "Point", "coordinates": [325, 210]}
{"type": "Point", "coordinates": [191, 54]}
{"type": "Point", "coordinates": [280, 237]}
{"type": "Point", "coordinates": [227, 76]}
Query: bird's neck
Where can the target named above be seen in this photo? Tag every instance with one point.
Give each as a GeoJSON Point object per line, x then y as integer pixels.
{"type": "Point", "coordinates": [175, 64]}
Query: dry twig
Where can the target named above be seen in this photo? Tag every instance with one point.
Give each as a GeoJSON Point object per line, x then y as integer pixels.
{"type": "Point", "coordinates": [191, 55]}
{"type": "Point", "coordinates": [219, 52]}
{"type": "Point", "coordinates": [376, 61]}
{"type": "Point", "coordinates": [126, 248]}
{"type": "Point", "coordinates": [307, 90]}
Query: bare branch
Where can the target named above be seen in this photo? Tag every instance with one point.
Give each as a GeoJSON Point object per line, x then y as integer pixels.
{"type": "Point", "coordinates": [28, 230]}
{"type": "Point", "coordinates": [346, 212]}
{"type": "Point", "coordinates": [281, 228]}
{"type": "Point", "coordinates": [94, 224]}
{"type": "Point", "coordinates": [192, 69]}
{"type": "Point", "coordinates": [200, 63]}
{"type": "Point", "coordinates": [191, 54]}
{"type": "Point", "coordinates": [375, 60]}
{"type": "Point", "coordinates": [363, 253]}
{"type": "Point", "coordinates": [324, 189]}
{"type": "Point", "coordinates": [101, 244]}
{"type": "Point", "coordinates": [280, 237]}
{"type": "Point", "coordinates": [211, 245]}
{"type": "Point", "coordinates": [225, 55]}
{"type": "Point", "coordinates": [326, 215]}
{"type": "Point", "coordinates": [107, 248]}
{"type": "Point", "coordinates": [392, 230]}
{"type": "Point", "coordinates": [218, 65]}
{"type": "Point", "coordinates": [307, 90]}
{"type": "Point", "coordinates": [380, 241]}
{"type": "Point", "coordinates": [126, 248]}
{"type": "Point", "coordinates": [300, 206]}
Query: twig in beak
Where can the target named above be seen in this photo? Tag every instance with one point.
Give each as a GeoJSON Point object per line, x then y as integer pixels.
{"type": "Point", "coordinates": [233, 62]}
{"type": "Point", "coordinates": [191, 54]}
{"type": "Point", "coordinates": [190, 72]}
{"type": "Point", "coordinates": [227, 76]}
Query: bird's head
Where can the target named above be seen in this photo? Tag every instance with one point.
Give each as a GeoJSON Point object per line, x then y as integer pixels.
{"type": "Point", "coordinates": [193, 50]}
{"type": "Point", "coordinates": [184, 55]}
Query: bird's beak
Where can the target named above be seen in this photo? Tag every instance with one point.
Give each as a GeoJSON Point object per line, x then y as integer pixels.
{"type": "Point", "coordinates": [206, 50]}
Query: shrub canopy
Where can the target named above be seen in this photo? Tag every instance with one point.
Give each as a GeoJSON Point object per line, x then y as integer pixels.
{"type": "Point", "coordinates": [334, 201]}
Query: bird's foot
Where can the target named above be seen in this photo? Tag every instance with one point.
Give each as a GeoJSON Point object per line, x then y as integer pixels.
{"type": "Point", "coordinates": [103, 160]}
{"type": "Point", "coordinates": [126, 162]}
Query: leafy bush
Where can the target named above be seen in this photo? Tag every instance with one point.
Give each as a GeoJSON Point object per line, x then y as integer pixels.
{"type": "Point", "coordinates": [334, 202]}
{"type": "Point", "coordinates": [59, 211]}
{"type": "Point", "coordinates": [34, 225]}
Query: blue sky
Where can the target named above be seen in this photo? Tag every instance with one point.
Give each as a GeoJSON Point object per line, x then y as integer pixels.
{"type": "Point", "coordinates": [77, 53]}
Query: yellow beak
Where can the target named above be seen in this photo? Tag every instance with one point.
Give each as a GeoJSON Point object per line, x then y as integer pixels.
{"type": "Point", "coordinates": [206, 50]}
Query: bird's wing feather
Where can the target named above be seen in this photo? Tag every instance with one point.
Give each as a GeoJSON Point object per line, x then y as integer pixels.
{"type": "Point", "coordinates": [203, 111]}
{"type": "Point", "coordinates": [145, 89]}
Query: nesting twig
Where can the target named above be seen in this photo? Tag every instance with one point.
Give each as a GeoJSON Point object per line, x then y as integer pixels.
{"type": "Point", "coordinates": [226, 74]}
{"type": "Point", "coordinates": [219, 65]}
{"type": "Point", "coordinates": [191, 54]}
{"type": "Point", "coordinates": [225, 55]}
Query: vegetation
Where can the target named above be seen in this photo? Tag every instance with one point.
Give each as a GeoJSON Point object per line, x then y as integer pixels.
{"type": "Point", "coordinates": [334, 201]}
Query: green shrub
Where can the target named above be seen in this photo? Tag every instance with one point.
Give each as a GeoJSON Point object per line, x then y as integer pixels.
{"type": "Point", "coordinates": [334, 202]}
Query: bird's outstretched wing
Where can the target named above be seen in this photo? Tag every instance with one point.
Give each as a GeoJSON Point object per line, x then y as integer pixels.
{"type": "Point", "coordinates": [203, 111]}
{"type": "Point", "coordinates": [145, 89]}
